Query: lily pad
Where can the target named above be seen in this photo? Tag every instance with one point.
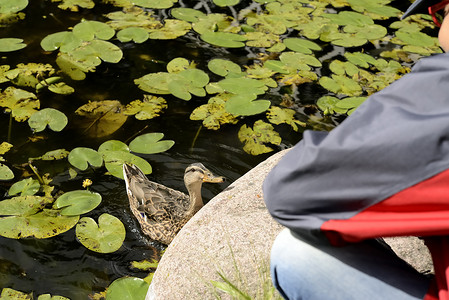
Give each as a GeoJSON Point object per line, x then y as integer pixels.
{"type": "Point", "coordinates": [328, 105]}
{"type": "Point", "coordinates": [187, 14]}
{"type": "Point", "coordinates": [23, 205]}
{"type": "Point", "coordinates": [149, 108]}
{"type": "Point", "coordinates": [114, 161]}
{"type": "Point", "coordinates": [45, 224]}
{"type": "Point", "coordinates": [301, 45]}
{"type": "Point", "coordinates": [127, 288]}
{"type": "Point", "coordinates": [255, 138]}
{"type": "Point", "coordinates": [224, 3]}
{"type": "Point", "coordinates": [150, 143]}
{"type": "Point", "coordinates": [26, 187]}
{"type": "Point", "coordinates": [21, 103]}
{"type": "Point", "coordinates": [244, 105]}
{"type": "Point", "coordinates": [105, 237]}
{"type": "Point", "coordinates": [224, 39]}
{"type": "Point", "coordinates": [136, 34]}
{"type": "Point", "coordinates": [5, 172]}
{"type": "Point", "coordinates": [65, 40]}
{"type": "Point", "coordinates": [8, 7]}
{"type": "Point", "coordinates": [8, 293]}
{"type": "Point", "coordinates": [277, 115]}
{"type": "Point", "coordinates": [78, 202]}
{"type": "Point", "coordinates": [50, 117]}
{"type": "Point", "coordinates": [223, 67]}
{"type": "Point", "coordinates": [113, 145]}
{"type": "Point", "coordinates": [89, 30]}
{"type": "Point", "coordinates": [156, 83]}
{"type": "Point", "coordinates": [11, 44]}
{"type": "Point", "coordinates": [214, 113]}
{"type": "Point", "coordinates": [172, 29]}
{"type": "Point", "coordinates": [157, 4]}
{"type": "Point", "coordinates": [82, 157]}
{"type": "Point", "coordinates": [242, 86]}
{"type": "Point", "coordinates": [50, 297]}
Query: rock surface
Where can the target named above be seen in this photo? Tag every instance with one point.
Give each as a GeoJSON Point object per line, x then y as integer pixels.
{"type": "Point", "coordinates": [233, 235]}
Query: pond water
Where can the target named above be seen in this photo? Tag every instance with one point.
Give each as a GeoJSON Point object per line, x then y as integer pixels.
{"type": "Point", "coordinates": [61, 265]}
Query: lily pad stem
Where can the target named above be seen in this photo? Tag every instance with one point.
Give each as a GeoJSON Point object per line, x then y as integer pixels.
{"type": "Point", "coordinates": [136, 134]}
{"type": "Point", "coordinates": [34, 169]}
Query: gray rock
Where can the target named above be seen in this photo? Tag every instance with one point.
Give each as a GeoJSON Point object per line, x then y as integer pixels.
{"type": "Point", "coordinates": [232, 235]}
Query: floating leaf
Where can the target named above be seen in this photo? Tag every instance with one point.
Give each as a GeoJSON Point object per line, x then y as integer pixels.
{"type": "Point", "coordinates": [187, 14]}
{"type": "Point", "coordinates": [64, 40]}
{"type": "Point", "coordinates": [55, 154]}
{"type": "Point", "coordinates": [242, 86]}
{"type": "Point", "coordinates": [8, 7]}
{"type": "Point", "coordinates": [45, 224]}
{"type": "Point", "coordinates": [105, 237]}
{"type": "Point", "coordinates": [89, 30]}
{"type": "Point", "coordinates": [26, 187]}
{"type": "Point", "coordinates": [244, 105]}
{"type": "Point", "coordinates": [94, 50]}
{"type": "Point", "coordinates": [50, 117]}
{"type": "Point", "coordinates": [8, 293]}
{"type": "Point", "coordinates": [77, 202]}
{"type": "Point", "coordinates": [5, 147]}
{"type": "Point", "coordinates": [361, 59]}
{"type": "Point", "coordinates": [416, 38]}
{"type": "Point", "coordinates": [74, 68]}
{"type": "Point", "coordinates": [113, 145]}
{"type": "Point", "coordinates": [341, 85]}
{"type": "Point", "coordinates": [11, 44]}
{"type": "Point", "coordinates": [301, 45]}
{"type": "Point", "coordinates": [256, 137]}
{"type": "Point", "coordinates": [177, 65]}
{"type": "Point", "coordinates": [328, 105]}
{"type": "Point", "coordinates": [224, 3]}
{"type": "Point", "coordinates": [213, 113]}
{"type": "Point", "coordinates": [223, 67]}
{"type": "Point", "coordinates": [157, 4]}
{"type": "Point", "coordinates": [5, 172]}
{"type": "Point", "coordinates": [136, 34]}
{"type": "Point", "coordinates": [224, 39]}
{"type": "Point", "coordinates": [23, 205]}
{"type": "Point", "coordinates": [22, 104]}
{"type": "Point", "coordinates": [127, 288]}
{"type": "Point", "coordinates": [50, 297]}
{"type": "Point", "coordinates": [350, 103]}
{"type": "Point", "coordinates": [114, 161]}
{"type": "Point", "coordinates": [150, 143]}
{"type": "Point", "coordinates": [277, 115]}
{"type": "Point", "coordinates": [74, 5]}
{"type": "Point", "coordinates": [81, 158]}
{"type": "Point", "coordinates": [149, 108]}
{"type": "Point", "coordinates": [172, 29]}
{"type": "Point", "coordinates": [154, 83]}
{"type": "Point", "coordinates": [103, 117]}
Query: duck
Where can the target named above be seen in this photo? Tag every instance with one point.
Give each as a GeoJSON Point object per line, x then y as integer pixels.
{"type": "Point", "coordinates": [162, 211]}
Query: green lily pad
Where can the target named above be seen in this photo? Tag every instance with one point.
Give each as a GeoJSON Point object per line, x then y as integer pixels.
{"type": "Point", "coordinates": [55, 120]}
{"type": "Point", "coordinates": [214, 113]}
{"type": "Point", "coordinates": [136, 34]}
{"type": "Point", "coordinates": [5, 172]}
{"type": "Point", "coordinates": [8, 7]}
{"type": "Point", "coordinates": [50, 297]}
{"type": "Point", "coordinates": [157, 4]}
{"type": "Point", "coordinates": [78, 202]}
{"type": "Point", "coordinates": [127, 288]}
{"type": "Point", "coordinates": [156, 83]}
{"type": "Point", "coordinates": [242, 86]}
{"type": "Point", "coordinates": [55, 154]}
{"type": "Point", "coordinates": [82, 157]}
{"type": "Point", "coordinates": [244, 105]}
{"type": "Point", "coordinates": [5, 147]}
{"type": "Point", "coordinates": [419, 39]}
{"type": "Point", "coordinates": [45, 224]}
{"type": "Point", "coordinates": [224, 39]}
{"type": "Point", "coordinates": [105, 237]}
{"type": "Point", "coordinates": [150, 143]}
{"type": "Point", "coordinates": [66, 41]}
{"type": "Point", "coordinates": [113, 145]}
{"type": "Point", "coordinates": [94, 50]}
{"type": "Point", "coordinates": [26, 187]}
{"type": "Point", "coordinates": [341, 85]}
{"type": "Point", "coordinates": [172, 29]}
{"type": "Point", "coordinates": [114, 161]}
{"type": "Point", "coordinates": [187, 14]}
{"type": "Point", "coordinates": [328, 105]}
{"type": "Point", "coordinates": [223, 67]}
{"type": "Point", "coordinates": [224, 3]}
{"type": "Point", "coordinates": [89, 30]}
{"type": "Point", "coordinates": [255, 138]}
{"type": "Point", "coordinates": [178, 64]}
{"type": "Point", "coordinates": [350, 103]}
{"type": "Point", "coordinates": [11, 44]}
{"type": "Point", "coordinates": [23, 205]}
{"type": "Point", "coordinates": [301, 45]}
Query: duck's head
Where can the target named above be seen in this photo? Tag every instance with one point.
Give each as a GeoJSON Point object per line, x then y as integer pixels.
{"type": "Point", "coordinates": [197, 173]}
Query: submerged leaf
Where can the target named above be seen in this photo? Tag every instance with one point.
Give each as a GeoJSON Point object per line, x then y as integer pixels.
{"type": "Point", "coordinates": [105, 237]}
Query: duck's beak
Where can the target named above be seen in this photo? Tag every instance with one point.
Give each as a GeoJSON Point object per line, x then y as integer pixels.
{"type": "Point", "coordinates": [212, 178]}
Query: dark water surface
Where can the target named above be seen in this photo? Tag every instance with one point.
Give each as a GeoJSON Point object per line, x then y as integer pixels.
{"type": "Point", "coordinates": [61, 265]}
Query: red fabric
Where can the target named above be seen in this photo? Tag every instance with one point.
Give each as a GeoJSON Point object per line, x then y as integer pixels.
{"type": "Point", "coordinates": [421, 210]}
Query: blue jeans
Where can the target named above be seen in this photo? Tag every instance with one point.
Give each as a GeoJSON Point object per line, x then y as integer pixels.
{"type": "Point", "coordinates": [302, 269]}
